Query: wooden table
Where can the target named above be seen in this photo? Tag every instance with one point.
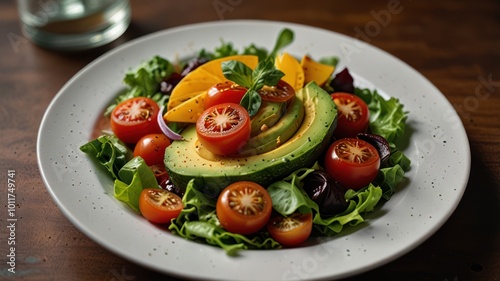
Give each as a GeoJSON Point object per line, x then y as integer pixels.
{"type": "Point", "coordinates": [455, 44]}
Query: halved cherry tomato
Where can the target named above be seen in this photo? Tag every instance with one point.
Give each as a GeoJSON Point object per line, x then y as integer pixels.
{"type": "Point", "coordinates": [159, 205]}
{"type": "Point", "coordinates": [224, 128]}
{"type": "Point", "coordinates": [244, 207]}
{"type": "Point", "coordinates": [292, 230]}
{"type": "Point", "coordinates": [151, 148]}
{"type": "Point", "coordinates": [352, 162]}
{"type": "Point", "coordinates": [280, 93]}
{"type": "Point", "coordinates": [223, 93]}
{"type": "Point", "coordinates": [353, 115]}
{"type": "Point", "coordinates": [134, 118]}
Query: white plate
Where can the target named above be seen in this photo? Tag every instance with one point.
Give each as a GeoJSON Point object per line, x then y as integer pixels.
{"type": "Point", "coordinates": [438, 148]}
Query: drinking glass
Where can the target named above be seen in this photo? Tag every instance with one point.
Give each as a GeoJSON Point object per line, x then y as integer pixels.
{"type": "Point", "coordinates": [73, 25]}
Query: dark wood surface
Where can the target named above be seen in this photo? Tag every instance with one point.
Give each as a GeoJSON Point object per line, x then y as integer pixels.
{"type": "Point", "coordinates": [455, 44]}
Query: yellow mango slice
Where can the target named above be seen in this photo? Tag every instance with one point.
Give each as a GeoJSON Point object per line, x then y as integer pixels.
{"type": "Point", "coordinates": [189, 89]}
{"type": "Point", "coordinates": [186, 101]}
{"type": "Point", "coordinates": [188, 111]}
{"type": "Point", "coordinates": [294, 74]}
{"type": "Point", "coordinates": [206, 76]}
{"type": "Point", "coordinates": [315, 71]}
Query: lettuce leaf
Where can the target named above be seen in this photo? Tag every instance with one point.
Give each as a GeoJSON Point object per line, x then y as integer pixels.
{"type": "Point", "coordinates": [360, 203]}
{"type": "Point", "coordinates": [149, 75]}
{"type": "Point", "coordinates": [387, 117]}
{"type": "Point", "coordinates": [133, 178]}
{"type": "Point", "coordinates": [288, 197]}
{"type": "Point", "coordinates": [109, 151]}
{"type": "Point", "coordinates": [131, 175]}
{"type": "Point", "coordinates": [199, 222]}
{"type": "Point", "coordinates": [145, 81]}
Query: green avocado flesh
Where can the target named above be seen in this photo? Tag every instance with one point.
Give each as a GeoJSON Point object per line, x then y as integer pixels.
{"type": "Point", "coordinates": [278, 134]}
{"type": "Point", "coordinates": [268, 114]}
{"type": "Point", "coordinates": [212, 173]}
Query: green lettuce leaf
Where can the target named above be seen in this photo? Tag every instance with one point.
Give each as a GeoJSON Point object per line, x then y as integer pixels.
{"type": "Point", "coordinates": [145, 81]}
{"type": "Point", "coordinates": [360, 203]}
{"type": "Point", "coordinates": [387, 117]}
{"type": "Point", "coordinates": [133, 178]}
{"type": "Point", "coordinates": [199, 222]}
{"type": "Point", "coordinates": [149, 75]}
{"type": "Point", "coordinates": [288, 197]}
{"type": "Point", "coordinates": [252, 49]}
{"type": "Point", "coordinates": [131, 175]}
{"type": "Point", "coordinates": [399, 158]}
{"type": "Point", "coordinates": [109, 151]}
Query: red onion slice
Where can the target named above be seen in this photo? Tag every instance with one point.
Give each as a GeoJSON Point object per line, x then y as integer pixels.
{"type": "Point", "coordinates": [166, 130]}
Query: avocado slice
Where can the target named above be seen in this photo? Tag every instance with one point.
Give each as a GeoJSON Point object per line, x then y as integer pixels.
{"type": "Point", "coordinates": [268, 114]}
{"type": "Point", "coordinates": [212, 174]}
{"type": "Point", "coordinates": [278, 134]}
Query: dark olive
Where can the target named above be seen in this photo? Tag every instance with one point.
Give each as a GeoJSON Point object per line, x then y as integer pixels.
{"type": "Point", "coordinates": [326, 192]}
{"type": "Point", "coordinates": [380, 143]}
{"type": "Point", "coordinates": [168, 185]}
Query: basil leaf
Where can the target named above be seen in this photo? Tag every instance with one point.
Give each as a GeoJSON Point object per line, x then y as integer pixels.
{"type": "Point", "coordinates": [272, 77]}
{"type": "Point", "coordinates": [284, 39]}
{"type": "Point", "coordinates": [237, 72]}
{"type": "Point", "coordinates": [251, 101]}
{"type": "Point", "coordinates": [266, 74]}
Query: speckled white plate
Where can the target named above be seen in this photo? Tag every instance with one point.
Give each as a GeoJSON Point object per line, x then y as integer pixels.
{"type": "Point", "coordinates": [437, 145]}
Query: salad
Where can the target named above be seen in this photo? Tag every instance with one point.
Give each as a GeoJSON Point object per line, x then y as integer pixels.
{"type": "Point", "coordinates": [251, 149]}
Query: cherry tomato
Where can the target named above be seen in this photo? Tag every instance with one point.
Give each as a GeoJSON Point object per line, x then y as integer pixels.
{"type": "Point", "coordinates": [223, 93]}
{"type": "Point", "coordinates": [352, 162]}
{"type": "Point", "coordinates": [223, 129]}
{"type": "Point", "coordinates": [280, 93]}
{"type": "Point", "coordinates": [159, 205]}
{"type": "Point", "coordinates": [353, 115]}
{"type": "Point", "coordinates": [244, 207]}
{"type": "Point", "coordinates": [152, 148]}
{"type": "Point", "coordinates": [134, 118]}
{"type": "Point", "coordinates": [292, 230]}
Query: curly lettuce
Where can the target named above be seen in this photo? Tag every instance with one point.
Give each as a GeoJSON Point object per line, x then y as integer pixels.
{"type": "Point", "coordinates": [289, 197]}
{"type": "Point", "coordinates": [198, 222]}
{"type": "Point", "coordinates": [145, 81]}
{"type": "Point", "coordinates": [387, 117]}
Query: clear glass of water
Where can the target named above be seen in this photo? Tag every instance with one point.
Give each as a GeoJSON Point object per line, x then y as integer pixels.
{"type": "Point", "coordinates": [73, 25]}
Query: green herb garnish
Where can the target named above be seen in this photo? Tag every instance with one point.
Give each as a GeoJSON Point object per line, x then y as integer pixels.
{"type": "Point", "coordinates": [265, 74]}
{"type": "Point", "coordinates": [285, 38]}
